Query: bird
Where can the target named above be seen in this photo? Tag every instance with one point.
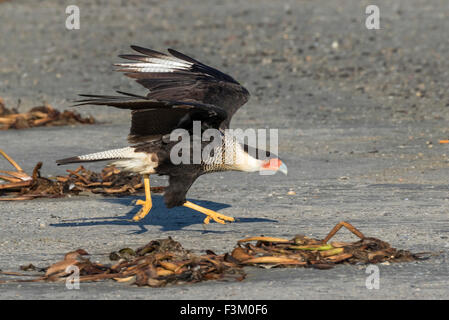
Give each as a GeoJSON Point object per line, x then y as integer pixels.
{"type": "Point", "coordinates": [184, 95]}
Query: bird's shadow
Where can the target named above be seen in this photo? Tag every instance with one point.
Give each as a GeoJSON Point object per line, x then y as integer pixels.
{"type": "Point", "coordinates": [168, 219]}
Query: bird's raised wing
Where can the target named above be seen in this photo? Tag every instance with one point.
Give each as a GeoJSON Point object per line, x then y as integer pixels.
{"type": "Point", "coordinates": [177, 77]}
{"type": "Point", "coordinates": [151, 119]}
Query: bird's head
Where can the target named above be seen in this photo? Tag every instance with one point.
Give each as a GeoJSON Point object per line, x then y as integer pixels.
{"type": "Point", "coordinates": [265, 166]}
{"type": "Point", "coordinates": [250, 159]}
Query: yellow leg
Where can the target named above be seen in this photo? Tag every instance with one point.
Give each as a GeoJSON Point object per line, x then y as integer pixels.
{"type": "Point", "coordinates": [147, 204]}
{"type": "Point", "coordinates": [217, 217]}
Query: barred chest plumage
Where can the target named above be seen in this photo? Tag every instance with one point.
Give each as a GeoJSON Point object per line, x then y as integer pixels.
{"type": "Point", "coordinates": [229, 155]}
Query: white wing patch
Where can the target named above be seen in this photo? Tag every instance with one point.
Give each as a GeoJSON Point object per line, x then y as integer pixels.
{"type": "Point", "coordinates": [151, 64]}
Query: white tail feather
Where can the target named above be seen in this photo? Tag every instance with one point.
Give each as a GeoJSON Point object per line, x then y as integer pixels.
{"type": "Point", "coordinates": [125, 158]}
{"type": "Point", "coordinates": [121, 153]}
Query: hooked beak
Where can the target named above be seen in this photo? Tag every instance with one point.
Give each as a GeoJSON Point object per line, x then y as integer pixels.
{"type": "Point", "coordinates": [274, 165]}
{"type": "Point", "coordinates": [283, 168]}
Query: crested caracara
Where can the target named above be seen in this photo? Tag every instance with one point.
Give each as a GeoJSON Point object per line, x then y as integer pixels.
{"type": "Point", "coordinates": [182, 92]}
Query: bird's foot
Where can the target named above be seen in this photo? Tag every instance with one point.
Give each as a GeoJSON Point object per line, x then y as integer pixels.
{"type": "Point", "coordinates": [146, 207]}
{"type": "Point", "coordinates": [217, 217]}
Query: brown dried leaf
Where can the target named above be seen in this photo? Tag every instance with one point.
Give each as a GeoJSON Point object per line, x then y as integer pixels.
{"type": "Point", "coordinates": [169, 265]}
{"type": "Point", "coordinates": [274, 259]}
{"type": "Point", "coordinates": [340, 244]}
{"type": "Point", "coordinates": [339, 258]}
{"type": "Point", "coordinates": [60, 267]}
{"type": "Point", "coordinates": [163, 272]}
{"type": "Point", "coordinates": [264, 239]}
{"type": "Point", "coordinates": [126, 279]}
{"type": "Point", "coordinates": [240, 254]}
{"type": "Point", "coordinates": [331, 252]}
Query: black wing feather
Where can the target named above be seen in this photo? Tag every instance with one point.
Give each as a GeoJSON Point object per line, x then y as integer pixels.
{"type": "Point", "coordinates": [202, 68]}
{"type": "Point", "coordinates": [151, 119]}
{"type": "Point", "coordinates": [182, 78]}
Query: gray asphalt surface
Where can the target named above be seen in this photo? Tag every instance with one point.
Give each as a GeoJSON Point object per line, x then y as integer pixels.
{"type": "Point", "coordinates": [360, 114]}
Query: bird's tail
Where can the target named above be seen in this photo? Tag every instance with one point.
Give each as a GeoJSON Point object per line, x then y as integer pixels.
{"type": "Point", "coordinates": [114, 154]}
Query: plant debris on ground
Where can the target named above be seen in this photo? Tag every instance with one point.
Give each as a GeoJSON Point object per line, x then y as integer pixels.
{"type": "Point", "coordinates": [164, 261]}
{"type": "Point", "coordinates": [39, 116]}
{"type": "Point", "coordinates": [22, 186]}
